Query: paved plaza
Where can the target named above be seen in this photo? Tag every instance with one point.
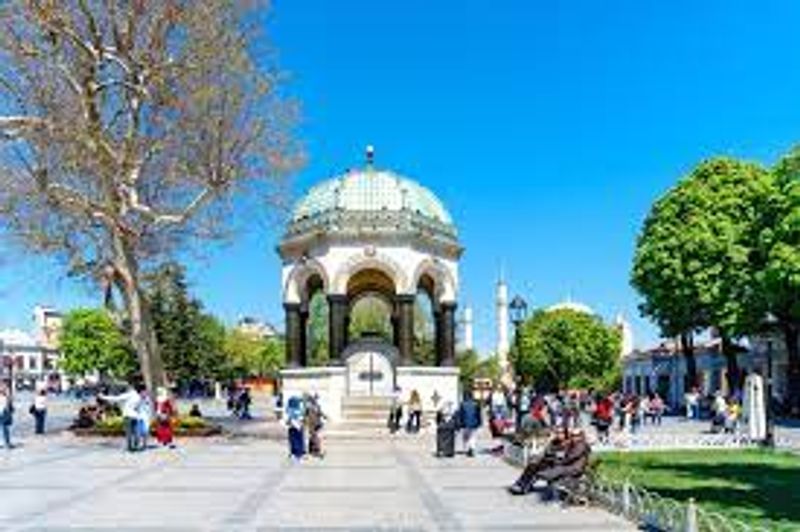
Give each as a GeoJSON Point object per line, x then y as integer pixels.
{"type": "Point", "coordinates": [60, 482]}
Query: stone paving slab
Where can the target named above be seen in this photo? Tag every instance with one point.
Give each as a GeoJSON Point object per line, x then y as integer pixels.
{"type": "Point", "coordinates": [61, 483]}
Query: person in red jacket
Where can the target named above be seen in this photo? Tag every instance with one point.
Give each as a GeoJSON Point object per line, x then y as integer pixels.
{"type": "Point", "coordinates": [165, 417]}
{"type": "Point", "coordinates": [603, 417]}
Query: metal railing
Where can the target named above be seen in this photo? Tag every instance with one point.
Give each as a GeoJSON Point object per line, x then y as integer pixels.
{"type": "Point", "coordinates": [646, 508]}
{"type": "Point", "coordinates": [654, 512]}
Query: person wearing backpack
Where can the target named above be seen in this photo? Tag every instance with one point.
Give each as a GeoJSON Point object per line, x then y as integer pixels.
{"type": "Point", "coordinates": [6, 415]}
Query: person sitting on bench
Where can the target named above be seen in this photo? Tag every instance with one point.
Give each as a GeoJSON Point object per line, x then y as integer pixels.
{"type": "Point", "coordinates": [566, 457]}
{"type": "Point", "coordinates": [546, 460]}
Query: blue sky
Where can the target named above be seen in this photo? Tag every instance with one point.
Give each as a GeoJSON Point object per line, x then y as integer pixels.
{"type": "Point", "coordinates": [547, 128]}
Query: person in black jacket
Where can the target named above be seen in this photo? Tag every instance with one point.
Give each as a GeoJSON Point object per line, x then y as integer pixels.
{"type": "Point", "coordinates": [566, 456]}
{"type": "Point", "coordinates": [547, 460]}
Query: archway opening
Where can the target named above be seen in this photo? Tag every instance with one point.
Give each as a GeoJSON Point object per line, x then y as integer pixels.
{"type": "Point", "coordinates": [317, 325]}
{"type": "Point", "coordinates": [424, 322]}
{"type": "Point", "coordinates": [371, 317]}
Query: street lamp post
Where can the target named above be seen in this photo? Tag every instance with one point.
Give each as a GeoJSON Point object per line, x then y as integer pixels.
{"type": "Point", "coordinates": [769, 321]}
{"type": "Point", "coordinates": [519, 313]}
{"type": "Point", "coordinates": [769, 441]}
{"type": "Point", "coordinates": [518, 309]}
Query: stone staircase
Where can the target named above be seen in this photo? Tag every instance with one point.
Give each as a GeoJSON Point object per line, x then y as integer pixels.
{"type": "Point", "coordinates": [362, 416]}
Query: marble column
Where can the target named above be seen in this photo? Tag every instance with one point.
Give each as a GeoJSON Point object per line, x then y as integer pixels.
{"type": "Point", "coordinates": [405, 327]}
{"type": "Point", "coordinates": [338, 308]}
{"type": "Point", "coordinates": [295, 334]}
{"type": "Point", "coordinates": [446, 335]}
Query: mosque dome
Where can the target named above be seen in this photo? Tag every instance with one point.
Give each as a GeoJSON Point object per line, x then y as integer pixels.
{"type": "Point", "coordinates": [573, 306]}
{"type": "Point", "coordinates": [371, 198]}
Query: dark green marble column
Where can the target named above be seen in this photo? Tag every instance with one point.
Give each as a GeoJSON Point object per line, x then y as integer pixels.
{"type": "Point", "coordinates": [446, 335]}
{"type": "Point", "coordinates": [405, 328]}
{"type": "Point", "coordinates": [295, 331]}
{"type": "Point", "coordinates": [338, 308]}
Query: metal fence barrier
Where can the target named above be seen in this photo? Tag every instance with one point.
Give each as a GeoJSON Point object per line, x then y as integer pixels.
{"type": "Point", "coordinates": [657, 513]}
{"type": "Point", "coordinates": [648, 509]}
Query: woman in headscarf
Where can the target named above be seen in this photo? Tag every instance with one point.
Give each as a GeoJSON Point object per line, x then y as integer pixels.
{"type": "Point", "coordinates": [165, 416]}
{"type": "Point", "coordinates": [294, 421]}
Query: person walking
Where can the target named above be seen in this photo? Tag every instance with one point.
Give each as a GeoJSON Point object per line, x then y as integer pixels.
{"type": "Point", "coordinates": [145, 418]}
{"type": "Point", "coordinates": [470, 421]}
{"type": "Point", "coordinates": [414, 412]}
{"type": "Point", "coordinates": [657, 407]}
{"type": "Point", "coordinates": [603, 418]}
{"type": "Point", "coordinates": [39, 411]}
{"type": "Point", "coordinates": [315, 420]}
{"type": "Point", "coordinates": [130, 401]}
{"type": "Point", "coordinates": [294, 422]}
{"type": "Point", "coordinates": [6, 415]}
{"type": "Point", "coordinates": [396, 410]}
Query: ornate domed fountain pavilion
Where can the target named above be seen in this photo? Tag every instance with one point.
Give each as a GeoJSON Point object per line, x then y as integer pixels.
{"type": "Point", "coordinates": [370, 233]}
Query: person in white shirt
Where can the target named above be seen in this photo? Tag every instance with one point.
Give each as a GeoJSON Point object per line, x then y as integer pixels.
{"type": "Point", "coordinates": [39, 410]}
{"type": "Point", "coordinates": [130, 401]}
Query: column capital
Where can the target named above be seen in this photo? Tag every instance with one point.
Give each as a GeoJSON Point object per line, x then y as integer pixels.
{"type": "Point", "coordinates": [448, 305]}
{"type": "Point", "coordinates": [405, 298]}
{"type": "Point", "coordinates": [340, 299]}
{"type": "Point", "coordinates": [292, 307]}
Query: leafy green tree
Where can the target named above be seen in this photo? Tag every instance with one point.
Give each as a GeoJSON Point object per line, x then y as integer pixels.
{"type": "Point", "coordinates": [472, 367]}
{"type": "Point", "coordinates": [694, 256]}
{"type": "Point", "coordinates": [91, 342]}
{"type": "Point", "coordinates": [254, 356]}
{"type": "Point", "coordinates": [190, 340]}
{"type": "Point", "coordinates": [567, 349]}
{"type": "Point", "coordinates": [778, 275]}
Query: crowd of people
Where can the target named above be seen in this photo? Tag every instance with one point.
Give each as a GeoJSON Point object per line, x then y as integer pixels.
{"type": "Point", "coordinates": [138, 413]}
{"type": "Point", "coordinates": [530, 412]}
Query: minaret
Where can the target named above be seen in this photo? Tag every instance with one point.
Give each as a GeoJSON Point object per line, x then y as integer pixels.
{"type": "Point", "coordinates": [503, 346]}
{"type": "Point", "coordinates": [469, 337]}
{"type": "Point", "coordinates": [626, 331]}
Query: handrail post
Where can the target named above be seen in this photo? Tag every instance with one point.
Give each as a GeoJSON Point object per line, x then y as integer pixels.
{"type": "Point", "coordinates": [691, 516]}
{"type": "Point", "coordinates": [626, 498]}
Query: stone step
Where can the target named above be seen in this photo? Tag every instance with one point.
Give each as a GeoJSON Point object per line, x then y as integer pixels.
{"type": "Point", "coordinates": [365, 415]}
{"type": "Point", "coordinates": [373, 401]}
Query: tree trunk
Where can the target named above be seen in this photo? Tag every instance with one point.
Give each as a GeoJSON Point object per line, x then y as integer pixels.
{"type": "Point", "coordinates": [729, 350]}
{"type": "Point", "coordinates": [142, 332]}
{"type": "Point", "coordinates": [791, 333]}
{"type": "Point", "coordinates": [687, 346]}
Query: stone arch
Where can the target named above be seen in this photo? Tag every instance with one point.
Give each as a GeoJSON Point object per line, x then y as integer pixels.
{"type": "Point", "coordinates": [444, 283]}
{"type": "Point", "coordinates": [360, 262]}
{"type": "Point", "coordinates": [302, 272]}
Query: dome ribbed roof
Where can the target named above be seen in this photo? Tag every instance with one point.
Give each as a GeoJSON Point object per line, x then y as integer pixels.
{"type": "Point", "coordinates": [371, 190]}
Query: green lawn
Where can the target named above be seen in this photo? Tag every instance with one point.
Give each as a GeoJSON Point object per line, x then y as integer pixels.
{"type": "Point", "coordinates": [752, 485]}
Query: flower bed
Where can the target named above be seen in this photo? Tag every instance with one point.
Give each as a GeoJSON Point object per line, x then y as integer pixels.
{"type": "Point", "coordinates": [184, 427]}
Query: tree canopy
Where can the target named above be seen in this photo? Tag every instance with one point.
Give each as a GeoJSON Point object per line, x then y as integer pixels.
{"type": "Point", "coordinates": [564, 348]}
{"type": "Point", "coordinates": [191, 341]}
{"type": "Point", "coordinates": [472, 367]}
{"type": "Point", "coordinates": [253, 356]}
{"type": "Point", "coordinates": [130, 131]}
{"type": "Point", "coordinates": [91, 342]}
{"type": "Point", "coordinates": [695, 257]}
{"type": "Point", "coordinates": [720, 250]}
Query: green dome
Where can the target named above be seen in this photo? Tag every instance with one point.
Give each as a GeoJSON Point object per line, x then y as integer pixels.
{"type": "Point", "coordinates": [371, 190]}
